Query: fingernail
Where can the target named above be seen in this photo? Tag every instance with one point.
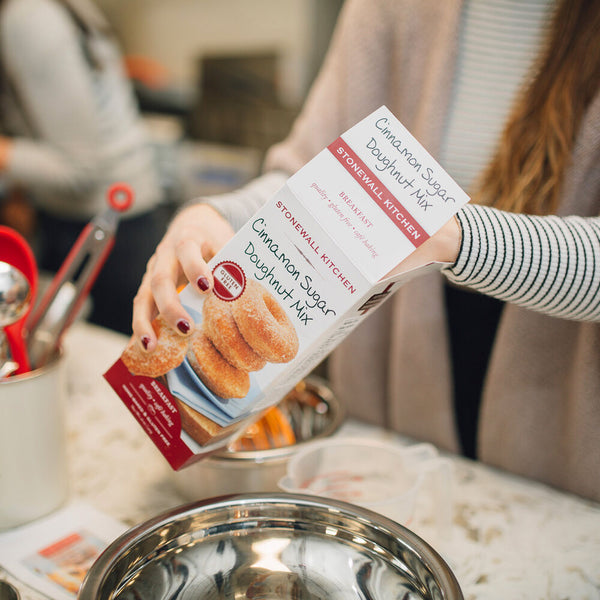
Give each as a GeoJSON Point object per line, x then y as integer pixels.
{"type": "Point", "coordinates": [183, 326]}
{"type": "Point", "coordinates": [203, 283]}
{"type": "Point", "coordinates": [145, 341]}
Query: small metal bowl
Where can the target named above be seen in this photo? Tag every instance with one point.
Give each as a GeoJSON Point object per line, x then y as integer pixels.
{"type": "Point", "coordinates": [314, 412]}
{"type": "Point", "coordinates": [8, 591]}
{"type": "Point", "coordinates": [267, 547]}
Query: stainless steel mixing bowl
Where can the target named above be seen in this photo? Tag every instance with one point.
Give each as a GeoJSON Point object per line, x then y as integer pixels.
{"type": "Point", "coordinates": [267, 547]}
{"type": "Point", "coordinates": [314, 413]}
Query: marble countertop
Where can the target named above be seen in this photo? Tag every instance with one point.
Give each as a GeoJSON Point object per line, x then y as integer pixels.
{"type": "Point", "coordinates": [510, 537]}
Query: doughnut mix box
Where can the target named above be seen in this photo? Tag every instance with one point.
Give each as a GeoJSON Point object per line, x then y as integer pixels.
{"type": "Point", "coordinates": [291, 284]}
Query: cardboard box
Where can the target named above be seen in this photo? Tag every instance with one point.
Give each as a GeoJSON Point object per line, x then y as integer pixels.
{"type": "Point", "coordinates": [291, 284]}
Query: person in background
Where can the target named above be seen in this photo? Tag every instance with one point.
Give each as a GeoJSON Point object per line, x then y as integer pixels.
{"type": "Point", "coordinates": [70, 129]}
{"type": "Point", "coordinates": [506, 96]}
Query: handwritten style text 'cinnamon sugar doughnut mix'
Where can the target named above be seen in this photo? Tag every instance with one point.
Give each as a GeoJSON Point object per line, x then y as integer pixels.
{"type": "Point", "coordinates": [292, 283]}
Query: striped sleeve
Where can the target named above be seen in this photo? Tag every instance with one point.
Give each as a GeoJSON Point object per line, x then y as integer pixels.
{"type": "Point", "coordinates": [548, 264]}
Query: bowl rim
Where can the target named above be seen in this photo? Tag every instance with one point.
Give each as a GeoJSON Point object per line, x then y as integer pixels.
{"type": "Point", "coordinates": [102, 566]}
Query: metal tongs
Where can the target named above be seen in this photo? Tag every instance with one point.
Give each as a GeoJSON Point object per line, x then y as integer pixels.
{"type": "Point", "coordinates": [71, 285]}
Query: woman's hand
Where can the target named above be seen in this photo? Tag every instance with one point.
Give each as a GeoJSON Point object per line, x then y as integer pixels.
{"type": "Point", "coordinates": [5, 148]}
{"type": "Point", "coordinates": [442, 246]}
{"type": "Point", "coordinates": [193, 237]}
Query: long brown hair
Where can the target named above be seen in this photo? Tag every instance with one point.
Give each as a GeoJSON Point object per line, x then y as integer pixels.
{"type": "Point", "coordinates": [527, 171]}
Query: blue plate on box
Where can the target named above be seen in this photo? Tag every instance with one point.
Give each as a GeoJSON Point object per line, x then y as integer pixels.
{"type": "Point", "coordinates": [189, 388]}
{"type": "Point", "coordinates": [185, 388]}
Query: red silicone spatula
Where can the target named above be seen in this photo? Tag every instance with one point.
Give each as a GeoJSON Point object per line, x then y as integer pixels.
{"type": "Point", "coordinates": [15, 250]}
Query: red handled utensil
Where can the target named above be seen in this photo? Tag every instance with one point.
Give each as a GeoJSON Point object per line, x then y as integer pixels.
{"type": "Point", "coordinates": [15, 250]}
{"type": "Point", "coordinates": [72, 283]}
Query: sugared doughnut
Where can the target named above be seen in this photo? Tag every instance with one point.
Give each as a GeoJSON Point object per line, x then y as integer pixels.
{"type": "Point", "coordinates": [264, 324]}
{"type": "Point", "coordinates": [170, 351]}
{"type": "Point", "coordinates": [218, 375]}
{"type": "Point", "coordinates": [220, 328]}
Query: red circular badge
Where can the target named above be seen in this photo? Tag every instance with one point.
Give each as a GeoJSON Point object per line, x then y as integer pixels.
{"type": "Point", "coordinates": [230, 280]}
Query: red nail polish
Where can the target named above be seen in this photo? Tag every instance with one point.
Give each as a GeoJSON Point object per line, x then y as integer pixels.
{"type": "Point", "coordinates": [145, 341]}
{"type": "Point", "coordinates": [203, 283]}
{"type": "Point", "coordinates": [183, 326]}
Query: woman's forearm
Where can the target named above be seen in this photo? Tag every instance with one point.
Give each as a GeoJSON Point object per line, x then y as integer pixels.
{"type": "Point", "coordinates": [238, 206]}
{"type": "Point", "coordinates": [549, 264]}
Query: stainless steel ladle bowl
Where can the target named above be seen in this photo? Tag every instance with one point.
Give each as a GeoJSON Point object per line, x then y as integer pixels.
{"type": "Point", "coordinates": [15, 298]}
{"type": "Point", "coordinates": [15, 294]}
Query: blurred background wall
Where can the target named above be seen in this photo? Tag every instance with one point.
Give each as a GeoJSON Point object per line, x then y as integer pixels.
{"type": "Point", "coordinates": [220, 80]}
{"type": "Point", "coordinates": [178, 33]}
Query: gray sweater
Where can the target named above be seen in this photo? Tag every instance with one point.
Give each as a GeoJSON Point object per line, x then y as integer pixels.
{"type": "Point", "coordinates": [540, 414]}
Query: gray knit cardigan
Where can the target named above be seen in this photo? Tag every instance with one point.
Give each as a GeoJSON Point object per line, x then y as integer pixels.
{"type": "Point", "coordinates": [540, 414]}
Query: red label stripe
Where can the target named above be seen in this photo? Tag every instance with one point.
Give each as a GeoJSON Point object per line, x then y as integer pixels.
{"type": "Point", "coordinates": [378, 192]}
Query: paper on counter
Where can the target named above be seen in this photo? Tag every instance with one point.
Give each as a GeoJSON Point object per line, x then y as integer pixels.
{"type": "Point", "coordinates": [53, 554]}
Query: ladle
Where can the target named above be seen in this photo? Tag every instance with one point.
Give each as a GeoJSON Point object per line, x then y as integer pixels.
{"type": "Point", "coordinates": [15, 299]}
{"type": "Point", "coordinates": [15, 294]}
{"type": "Point", "coordinates": [15, 251]}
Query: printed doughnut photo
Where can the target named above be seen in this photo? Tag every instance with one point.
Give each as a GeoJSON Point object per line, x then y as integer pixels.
{"type": "Point", "coordinates": [169, 354]}
{"type": "Point", "coordinates": [264, 324]}
{"type": "Point", "coordinates": [210, 373]}
{"type": "Point", "coordinates": [214, 384]}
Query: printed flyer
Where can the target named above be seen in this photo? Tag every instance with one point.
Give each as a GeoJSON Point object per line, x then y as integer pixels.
{"type": "Point", "coordinates": [53, 554]}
